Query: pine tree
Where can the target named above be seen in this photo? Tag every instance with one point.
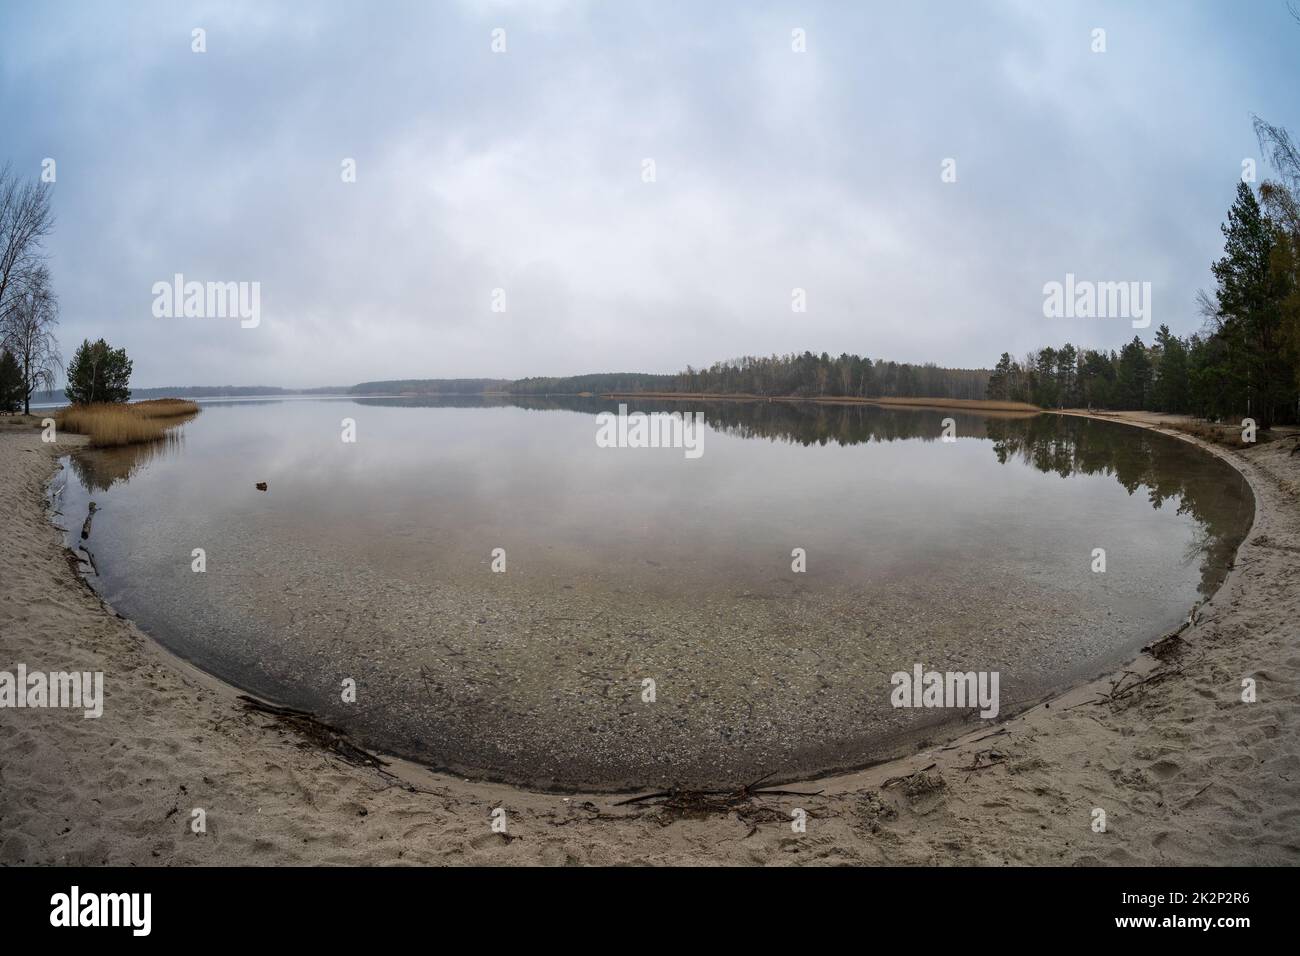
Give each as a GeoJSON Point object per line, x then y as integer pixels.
{"type": "Point", "coordinates": [11, 383]}
{"type": "Point", "coordinates": [1133, 376]}
{"type": "Point", "coordinates": [98, 373]}
{"type": "Point", "coordinates": [1249, 312]}
{"type": "Point", "coordinates": [1170, 392]}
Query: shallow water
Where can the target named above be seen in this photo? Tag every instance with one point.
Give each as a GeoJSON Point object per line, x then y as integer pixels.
{"type": "Point", "coordinates": [372, 561]}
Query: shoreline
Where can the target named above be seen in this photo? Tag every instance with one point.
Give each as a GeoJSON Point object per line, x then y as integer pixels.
{"type": "Point", "coordinates": [1020, 628]}
{"type": "Point", "coordinates": [973, 405]}
{"type": "Point", "coordinates": [902, 810]}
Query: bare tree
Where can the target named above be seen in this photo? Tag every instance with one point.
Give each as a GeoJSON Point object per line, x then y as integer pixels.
{"type": "Point", "coordinates": [25, 221]}
{"type": "Point", "coordinates": [27, 330]}
{"type": "Point", "coordinates": [1280, 197]}
{"type": "Point", "coordinates": [28, 309]}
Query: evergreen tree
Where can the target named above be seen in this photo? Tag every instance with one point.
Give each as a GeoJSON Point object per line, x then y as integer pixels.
{"type": "Point", "coordinates": [999, 387]}
{"type": "Point", "coordinates": [1249, 311]}
{"type": "Point", "coordinates": [1067, 376]}
{"type": "Point", "coordinates": [1133, 376]}
{"type": "Point", "coordinates": [1170, 393]}
{"type": "Point", "coordinates": [1045, 390]}
{"type": "Point", "coordinates": [11, 383]}
{"type": "Point", "coordinates": [98, 373]}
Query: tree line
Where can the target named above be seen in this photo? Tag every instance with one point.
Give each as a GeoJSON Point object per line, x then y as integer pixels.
{"type": "Point", "coordinates": [1156, 377]}
{"type": "Point", "coordinates": [1245, 362]}
{"type": "Point", "coordinates": [794, 375]}
{"type": "Point", "coordinates": [843, 376]}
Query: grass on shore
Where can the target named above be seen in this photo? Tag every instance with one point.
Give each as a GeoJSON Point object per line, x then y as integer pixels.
{"type": "Point", "coordinates": [109, 425]}
{"type": "Point", "coordinates": [19, 420]}
{"type": "Point", "coordinates": [1228, 435]}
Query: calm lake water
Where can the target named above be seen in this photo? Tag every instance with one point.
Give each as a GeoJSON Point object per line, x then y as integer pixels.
{"type": "Point", "coordinates": [372, 561]}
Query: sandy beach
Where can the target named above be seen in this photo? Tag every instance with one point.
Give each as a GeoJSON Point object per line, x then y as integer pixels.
{"type": "Point", "coordinates": [1186, 772]}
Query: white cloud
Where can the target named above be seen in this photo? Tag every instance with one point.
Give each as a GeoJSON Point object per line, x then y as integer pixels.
{"type": "Point", "coordinates": [523, 171]}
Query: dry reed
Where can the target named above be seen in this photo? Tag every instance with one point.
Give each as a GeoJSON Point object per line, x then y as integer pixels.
{"type": "Point", "coordinates": [111, 424]}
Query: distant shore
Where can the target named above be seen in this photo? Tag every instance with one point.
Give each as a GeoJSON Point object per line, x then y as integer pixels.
{"type": "Point", "coordinates": [967, 404]}
{"type": "Point", "coordinates": [1167, 748]}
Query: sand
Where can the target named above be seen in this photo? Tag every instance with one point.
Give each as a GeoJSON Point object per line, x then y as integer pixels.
{"type": "Point", "coordinates": [1185, 771]}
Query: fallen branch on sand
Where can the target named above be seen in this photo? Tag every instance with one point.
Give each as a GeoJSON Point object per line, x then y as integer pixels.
{"type": "Point", "coordinates": [1188, 801]}
{"type": "Point", "coordinates": [991, 758]}
{"type": "Point", "coordinates": [314, 730]}
{"type": "Point", "coordinates": [911, 776]}
{"type": "Point", "coordinates": [1168, 647]}
{"type": "Point", "coordinates": [679, 802]}
{"type": "Point", "coordinates": [1120, 692]}
{"type": "Point", "coordinates": [959, 744]}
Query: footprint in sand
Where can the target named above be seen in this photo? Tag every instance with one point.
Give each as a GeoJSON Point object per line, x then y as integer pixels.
{"type": "Point", "coordinates": [1166, 769]}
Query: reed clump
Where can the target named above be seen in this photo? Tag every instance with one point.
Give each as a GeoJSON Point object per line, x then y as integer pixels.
{"type": "Point", "coordinates": [111, 424]}
{"type": "Point", "coordinates": [1228, 435]}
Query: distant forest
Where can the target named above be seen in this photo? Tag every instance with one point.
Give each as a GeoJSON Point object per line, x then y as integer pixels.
{"type": "Point", "coordinates": [805, 375]}
{"type": "Point", "coordinates": [202, 391]}
{"type": "Point", "coordinates": [1245, 362]}
{"type": "Point", "coordinates": [845, 376]}
{"type": "Point", "coordinates": [431, 386]}
{"type": "Point", "coordinates": [595, 383]}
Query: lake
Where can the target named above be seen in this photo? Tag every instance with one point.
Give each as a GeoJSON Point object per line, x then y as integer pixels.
{"type": "Point", "coordinates": [648, 628]}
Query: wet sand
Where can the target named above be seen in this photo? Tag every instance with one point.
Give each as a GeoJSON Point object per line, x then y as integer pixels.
{"type": "Point", "coordinates": [1186, 772]}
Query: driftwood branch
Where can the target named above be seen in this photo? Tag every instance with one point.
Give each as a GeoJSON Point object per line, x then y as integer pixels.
{"type": "Point", "coordinates": [316, 731]}
{"type": "Point", "coordinates": [688, 802]}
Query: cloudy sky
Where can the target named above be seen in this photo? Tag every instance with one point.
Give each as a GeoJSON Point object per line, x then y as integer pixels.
{"type": "Point", "coordinates": [524, 171]}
